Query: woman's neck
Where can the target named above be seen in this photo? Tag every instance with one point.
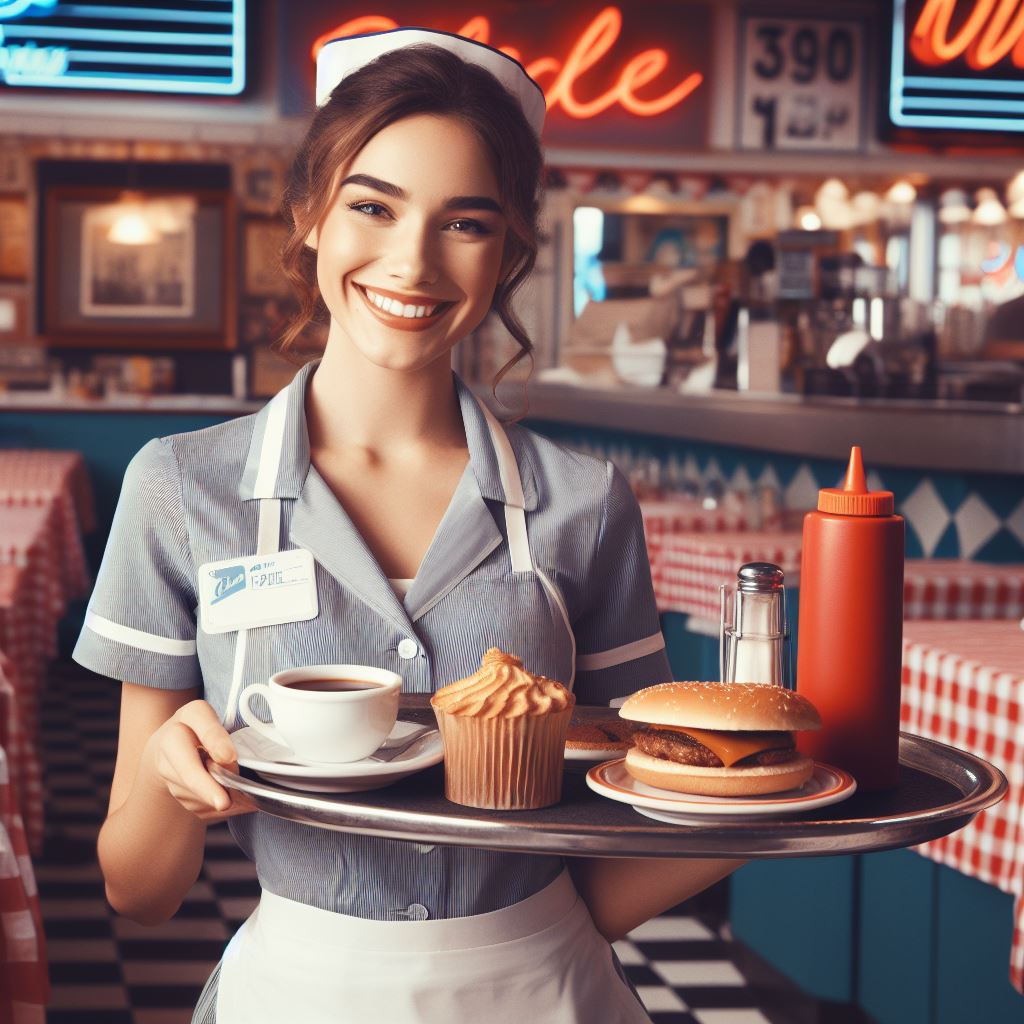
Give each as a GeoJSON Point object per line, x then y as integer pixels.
{"type": "Point", "coordinates": [352, 403]}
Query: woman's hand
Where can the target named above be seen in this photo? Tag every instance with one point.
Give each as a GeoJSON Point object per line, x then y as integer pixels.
{"type": "Point", "coordinates": [176, 751]}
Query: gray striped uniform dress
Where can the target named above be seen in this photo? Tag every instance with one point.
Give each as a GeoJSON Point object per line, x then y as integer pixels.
{"type": "Point", "coordinates": [191, 498]}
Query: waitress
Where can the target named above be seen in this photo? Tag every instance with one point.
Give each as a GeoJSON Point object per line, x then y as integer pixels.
{"type": "Point", "coordinates": [436, 533]}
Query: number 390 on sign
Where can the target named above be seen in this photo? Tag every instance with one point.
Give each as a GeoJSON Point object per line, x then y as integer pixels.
{"type": "Point", "coordinates": [802, 84]}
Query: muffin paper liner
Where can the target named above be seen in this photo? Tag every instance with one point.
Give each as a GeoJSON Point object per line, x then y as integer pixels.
{"type": "Point", "coordinates": [504, 763]}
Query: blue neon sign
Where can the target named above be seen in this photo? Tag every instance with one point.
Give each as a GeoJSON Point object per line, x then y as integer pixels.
{"type": "Point", "coordinates": [951, 95]}
{"type": "Point", "coordinates": [122, 46]}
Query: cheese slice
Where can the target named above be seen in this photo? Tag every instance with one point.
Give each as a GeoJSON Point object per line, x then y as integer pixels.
{"type": "Point", "coordinates": [731, 747]}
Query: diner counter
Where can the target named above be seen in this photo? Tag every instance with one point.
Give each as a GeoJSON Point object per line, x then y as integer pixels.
{"type": "Point", "coordinates": [981, 437]}
{"type": "Point", "coordinates": [202, 405]}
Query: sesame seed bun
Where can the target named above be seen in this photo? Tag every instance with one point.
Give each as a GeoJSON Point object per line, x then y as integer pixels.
{"type": "Point", "coordinates": [754, 707]}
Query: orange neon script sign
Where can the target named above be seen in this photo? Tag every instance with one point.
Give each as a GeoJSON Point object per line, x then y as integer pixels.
{"type": "Point", "coordinates": [992, 30]}
{"type": "Point", "coordinates": [587, 50]}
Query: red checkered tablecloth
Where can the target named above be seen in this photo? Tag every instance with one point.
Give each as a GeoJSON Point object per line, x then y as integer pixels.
{"type": "Point", "coordinates": [963, 684]}
{"type": "Point", "coordinates": [38, 477]}
{"type": "Point", "coordinates": [24, 980]}
{"type": "Point", "coordinates": [688, 567]}
{"type": "Point", "coordinates": [45, 503]}
{"type": "Point", "coordinates": [664, 518]}
{"type": "Point", "coordinates": [19, 740]}
{"type": "Point", "coordinates": [29, 540]}
{"type": "Point", "coordinates": [936, 588]}
{"type": "Point", "coordinates": [34, 536]}
{"type": "Point", "coordinates": [27, 643]}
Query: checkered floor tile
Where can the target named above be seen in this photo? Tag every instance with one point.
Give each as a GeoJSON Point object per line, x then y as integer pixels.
{"type": "Point", "coordinates": [108, 970]}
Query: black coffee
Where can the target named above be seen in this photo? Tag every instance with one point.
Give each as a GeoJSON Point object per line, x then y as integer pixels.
{"type": "Point", "coordinates": [333, 685]}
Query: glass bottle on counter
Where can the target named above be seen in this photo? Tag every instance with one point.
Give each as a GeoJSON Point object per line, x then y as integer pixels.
{"type": "Point", "coordinates": [849, 651]}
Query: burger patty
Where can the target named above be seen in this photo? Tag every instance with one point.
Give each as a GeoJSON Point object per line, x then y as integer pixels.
{"type": "Point", "coordinates": [683, 749]}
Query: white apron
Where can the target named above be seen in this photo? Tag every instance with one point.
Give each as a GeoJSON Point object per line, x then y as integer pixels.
{"type": "Point", "coordinates": [540, 961]}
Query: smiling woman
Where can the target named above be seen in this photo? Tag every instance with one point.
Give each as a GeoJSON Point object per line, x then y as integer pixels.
{"type": "Point", "coordinates": [429, 247]}
{"type": "Point", "coordinates": [422, 102]}
{"type": "Point", "coordinates": [423, 532]}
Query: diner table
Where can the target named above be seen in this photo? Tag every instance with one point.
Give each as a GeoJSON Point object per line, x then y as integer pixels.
{"type": "Point", "coordinates": [44, 477]}
{"type": "Point", "coordinates": [963, 684]}
{"type": "Point", "coordinates": [27, 643]}
{"type": "Point", "coordinates": [45, 504]}
{"type": "Point", "coordinates": [24, 978]}
{"type": "Point", "coordinates": [689, 567]}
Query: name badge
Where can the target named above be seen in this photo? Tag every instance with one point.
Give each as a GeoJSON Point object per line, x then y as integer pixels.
{"type": "Point", "coordinates": [259, 590]}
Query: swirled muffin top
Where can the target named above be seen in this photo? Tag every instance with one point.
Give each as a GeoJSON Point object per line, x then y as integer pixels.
{"type": "Point", "coordinates": [502, 688]}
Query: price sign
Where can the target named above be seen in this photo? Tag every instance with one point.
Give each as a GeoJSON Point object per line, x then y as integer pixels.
{"type": "Point", "coordinates": [801, 84]}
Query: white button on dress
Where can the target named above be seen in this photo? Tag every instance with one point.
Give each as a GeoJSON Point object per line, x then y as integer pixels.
{"type": "Point", "coordinates": [408, 649]}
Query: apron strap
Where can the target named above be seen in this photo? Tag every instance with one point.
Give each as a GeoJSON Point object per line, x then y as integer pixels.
{"type": "Point", "coordinates": [268, 542]}
{"type": "Point", "coordinates": [515, 526]}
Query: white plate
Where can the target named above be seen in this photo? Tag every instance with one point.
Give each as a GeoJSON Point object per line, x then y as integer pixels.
{"type": "Point", "coordinates": [582, 760]}
{"type": "Point", "coordinates": [269, 758]}
{"type": "Point", "coordinates": [828, 785]}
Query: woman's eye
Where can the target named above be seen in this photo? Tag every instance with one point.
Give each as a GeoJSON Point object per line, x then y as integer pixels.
{"type": "Point", "coordinates": [466, 226]}
{"type": "Point", "coordinates": [369, 208]}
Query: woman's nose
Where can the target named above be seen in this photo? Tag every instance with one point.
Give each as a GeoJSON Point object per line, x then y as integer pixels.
{"type": "Point", "coordinates": [412, 258]}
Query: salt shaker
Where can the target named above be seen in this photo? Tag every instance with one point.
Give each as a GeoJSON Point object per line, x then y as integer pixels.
{"type": "Point", "coordinates": [754, 636]}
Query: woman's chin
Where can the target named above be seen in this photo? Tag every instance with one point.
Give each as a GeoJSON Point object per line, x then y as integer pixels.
{"type": "Point", "coordinates": [398, 361]}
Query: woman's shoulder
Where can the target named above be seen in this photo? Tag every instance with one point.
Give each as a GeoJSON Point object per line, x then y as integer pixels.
{"type": "Point", "coordinates": [213, 452]}
{"type": "Point", "coordinates": [563, 474]}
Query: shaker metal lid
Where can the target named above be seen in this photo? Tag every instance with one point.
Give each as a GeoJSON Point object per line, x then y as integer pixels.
{"type": "Point", "coordinates": [760, 577]}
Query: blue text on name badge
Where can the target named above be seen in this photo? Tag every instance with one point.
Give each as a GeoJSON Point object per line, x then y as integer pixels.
{"type": "Point", "coordinates": [230, 580]}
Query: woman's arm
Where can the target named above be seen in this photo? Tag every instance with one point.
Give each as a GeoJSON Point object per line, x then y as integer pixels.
{"type": "Point", "coordinates": [623, 893]}
{"type": "Point", "coordinates": [161, 799]}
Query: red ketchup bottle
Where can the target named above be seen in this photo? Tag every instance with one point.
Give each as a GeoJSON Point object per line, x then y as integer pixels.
{"type": "Point", "coordinates": [849, 650]}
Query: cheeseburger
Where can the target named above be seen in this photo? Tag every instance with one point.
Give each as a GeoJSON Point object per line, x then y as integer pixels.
{"type": "Point", "coordinates": [719, 739]}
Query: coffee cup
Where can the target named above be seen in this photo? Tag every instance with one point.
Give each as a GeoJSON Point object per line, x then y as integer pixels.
{"type": "Point", "coordinates": [329, 713]}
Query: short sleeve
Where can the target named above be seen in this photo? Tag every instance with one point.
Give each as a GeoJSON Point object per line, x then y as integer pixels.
{"type": "Point", "coordinates": [140, 625]}
{"type": "Point", "coordinates": [619, 644]}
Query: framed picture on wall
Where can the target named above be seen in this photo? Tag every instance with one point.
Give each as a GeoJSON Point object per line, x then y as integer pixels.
{"type": "Point", "coordinates": [260, 183]}
{"type": "Point", "coordinates": [136, 269]}
{"type": "Point", "coordinates": [14, 260]}
{"type": "Point", "coordinates": [13, 315]}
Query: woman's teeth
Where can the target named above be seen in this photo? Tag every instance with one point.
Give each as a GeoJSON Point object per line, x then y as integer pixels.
{"type": "Point", "coordinates": [396, 308]}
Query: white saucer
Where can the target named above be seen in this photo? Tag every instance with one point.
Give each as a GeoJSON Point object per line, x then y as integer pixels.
{"type": "Point", "coordinates": [269, 759]}
{"type": "Point", "coordinates": [828, 785]}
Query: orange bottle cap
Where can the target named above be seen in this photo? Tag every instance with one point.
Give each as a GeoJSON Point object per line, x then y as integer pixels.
{"type": "Point", "coordinates": [854, 498]}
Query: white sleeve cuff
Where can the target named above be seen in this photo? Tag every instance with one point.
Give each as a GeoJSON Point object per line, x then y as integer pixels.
{"type": "Point", "coordinates": [620, 655]}
{"type": "Point", "coordinates": [137, 638]}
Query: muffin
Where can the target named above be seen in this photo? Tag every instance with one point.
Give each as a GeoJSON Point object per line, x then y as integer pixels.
{"type": "Point", "coordinates": [504, 735]}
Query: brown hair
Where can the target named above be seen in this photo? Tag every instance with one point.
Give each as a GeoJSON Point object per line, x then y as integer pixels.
{"type": "Point", "coordinates": [420, 79]}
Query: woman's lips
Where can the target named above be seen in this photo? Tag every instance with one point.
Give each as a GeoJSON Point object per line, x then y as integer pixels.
{"type": "Point", "coordinates": [404, 323]}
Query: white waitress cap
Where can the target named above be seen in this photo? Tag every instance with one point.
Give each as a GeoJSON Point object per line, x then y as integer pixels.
{"type": "Point", "coordinates": [340, 57]}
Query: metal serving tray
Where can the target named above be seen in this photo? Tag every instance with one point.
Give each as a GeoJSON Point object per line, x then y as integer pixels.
{"type": "Point", "coordinates": [940, 790]}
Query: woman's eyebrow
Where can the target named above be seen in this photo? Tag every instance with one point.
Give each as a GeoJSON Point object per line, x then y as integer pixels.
{"type": "Point", "coordinates": [397, 192]}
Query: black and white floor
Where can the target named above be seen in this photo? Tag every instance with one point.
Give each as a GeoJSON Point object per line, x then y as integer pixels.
{"type": "Point", "coordinates": [108, 970]}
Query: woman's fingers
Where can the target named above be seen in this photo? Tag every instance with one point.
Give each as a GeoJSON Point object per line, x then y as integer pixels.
{"type": "Point", "coordinates": [193, 735]}
{"type": "Point", "coordinates": [200, 717]}
{"type": "Point", "coordinates": [183, 769]}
